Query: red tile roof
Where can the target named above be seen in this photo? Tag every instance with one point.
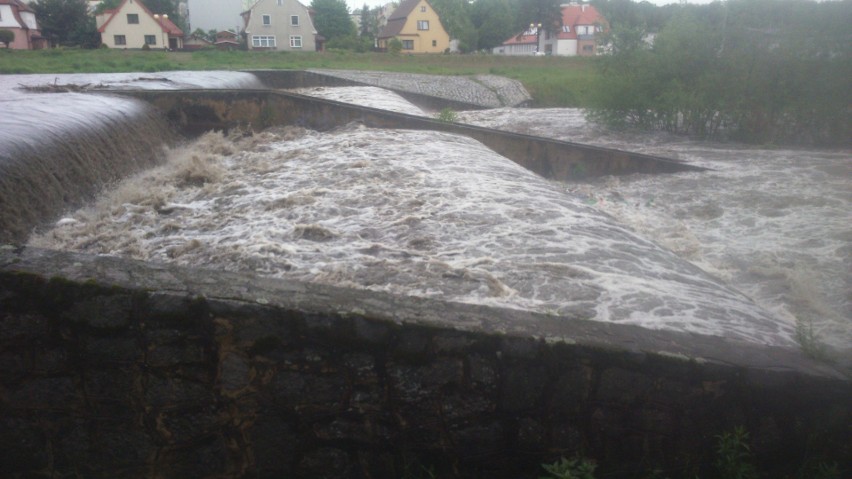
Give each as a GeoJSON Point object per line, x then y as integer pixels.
{"type": "Point", "coordinates": [572, 16]}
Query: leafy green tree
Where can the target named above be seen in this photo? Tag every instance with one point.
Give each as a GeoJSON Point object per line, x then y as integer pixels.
{"type": "Point", "coordinates": [369, 23]}
{"type": "Point", "coordinates": [65, 22]}
{"type": "Point", "coordinates": [455, 17]}
{"type": "Point", "coordinates": [762, 71]}
{"type": "Point", "coordinates": [494, 21]}
{"type": "Point", "coordinates": [546, 12]}
{"type": "Point", "coordinates": [331, 19]}
{"type": "Point", "coordinates": [7, 37]}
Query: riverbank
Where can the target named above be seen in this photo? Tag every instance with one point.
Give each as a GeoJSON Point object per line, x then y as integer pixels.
{"type": "Point", "coordinates": [551, 81]}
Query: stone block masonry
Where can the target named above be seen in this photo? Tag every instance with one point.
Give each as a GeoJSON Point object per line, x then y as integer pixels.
{"type": "Point", "coordinates": [115, 368]}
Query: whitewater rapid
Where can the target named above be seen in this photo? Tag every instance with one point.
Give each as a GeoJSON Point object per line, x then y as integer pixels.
{"type": "Point", "coordinates": [438, 215]}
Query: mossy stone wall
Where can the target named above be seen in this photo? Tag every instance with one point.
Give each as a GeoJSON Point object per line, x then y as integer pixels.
{"type": "Point", "coordinates": [100, 378]}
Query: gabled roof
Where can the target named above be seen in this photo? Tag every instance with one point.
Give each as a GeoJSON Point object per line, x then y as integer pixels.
{"type": "Point", "coordinates": [396, 21]}
{"type": "Point", "coordinates": [22, 7]}
{"type": "Point", "coordinates": [165, 24]}
{"type": "Point", "coordinates": [572, 16]}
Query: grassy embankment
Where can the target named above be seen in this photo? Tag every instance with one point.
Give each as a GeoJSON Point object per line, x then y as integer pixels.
{"type": "Point", "coordinates": [552, 81]}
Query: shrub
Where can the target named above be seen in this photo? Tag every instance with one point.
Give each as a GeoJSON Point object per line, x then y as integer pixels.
{"type": "Point", "coordinates": [7, 37]}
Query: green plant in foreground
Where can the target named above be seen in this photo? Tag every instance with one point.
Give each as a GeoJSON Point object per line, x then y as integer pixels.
{"type": "Point", "coordinates": [447, 115]}
{"type": "Point", "coordinates": [577, 468]}
{"type": "Point", "coordinates": [809, 341]}
{"type": "Point", "coordinates": [734, 455]}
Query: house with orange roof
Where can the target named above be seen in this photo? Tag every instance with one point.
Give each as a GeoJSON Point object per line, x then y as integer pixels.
{"type": "Point", "coordinates": [17, 17]}
{"type": "Point", "coordinates": [417, 25]}
{"type": "Point", "coordinates": [132, 25]}
{"type": "Point", "coordinates": [579, 35]}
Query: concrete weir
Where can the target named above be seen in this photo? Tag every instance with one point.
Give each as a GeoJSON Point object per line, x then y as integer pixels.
{"type": "Point", "coordinates": [111, 367]}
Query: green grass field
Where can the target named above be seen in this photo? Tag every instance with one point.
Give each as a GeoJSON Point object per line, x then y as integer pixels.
{"type": "Point", "coordinates": [552, 81]}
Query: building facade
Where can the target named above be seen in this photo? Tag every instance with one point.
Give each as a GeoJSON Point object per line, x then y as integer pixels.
{"type": "Point", "coordinates": [18, 18]}
{"type": "Point", "coordinates": [133, 26]}
{"type": "Point", "coordinates": [417, 26]}
{"type": "Point", "coordinates": [578, 35]}
{"type": "Point", "coordinates": [280, 25]}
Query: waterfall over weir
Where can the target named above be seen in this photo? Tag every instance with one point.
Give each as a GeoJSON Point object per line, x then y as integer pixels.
{"type": "Point", "coordinates": [57, 164]}
{"type": "Point", "coordinates": [59, 148]}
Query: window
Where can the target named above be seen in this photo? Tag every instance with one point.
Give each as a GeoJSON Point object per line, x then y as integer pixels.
{"type": "Point", "coordinates": [119, 40]}
{"type": "Point", "coordinates": [133, 18]}
{"type": "Point", "coordinates": [267, 19]}
{"type": "Point", "coordinates": [566, 29]}
{"type": "Point", "coordinates": [588, 48]}
{"type": "Point", "coordinates": [295, 41]}
{"type": "Point", "coordinates": [434, 43]}
{"type": "Point", "coordinates": [280, 2]}
{"type": "Point", "coordinates": [150, 40]}
{"type": "Point", "coordinates": [263, 41]}
{"type": "Point", "coordinates": [422, 24]}
{"type": "Point", "coordinates": [294, 20]}
{"type": "Point", "coordinates": [423, 9]}
{"type": "Point", "coordinates": [408, 44]}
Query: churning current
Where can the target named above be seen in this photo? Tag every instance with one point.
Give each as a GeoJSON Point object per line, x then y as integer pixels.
{"type": "Point", "coordinates": [435, 214]}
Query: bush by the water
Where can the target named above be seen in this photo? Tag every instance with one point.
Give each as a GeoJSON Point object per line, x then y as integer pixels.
{"type": "Point", "coordinates": [762, 71]}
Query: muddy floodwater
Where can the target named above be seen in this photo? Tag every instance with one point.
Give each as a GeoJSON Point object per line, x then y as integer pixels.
{"type": "Point", "coordinates": [743, 251]}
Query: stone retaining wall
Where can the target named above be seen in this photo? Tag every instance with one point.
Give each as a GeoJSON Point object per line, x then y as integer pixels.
{"type": "Point", "coordinates": [115, 368]}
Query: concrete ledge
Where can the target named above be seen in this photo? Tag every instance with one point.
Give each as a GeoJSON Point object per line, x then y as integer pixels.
{"type": "Point", "coordinates": [197, 111]}
{"type": "Point", "coordinates": [120, 368]}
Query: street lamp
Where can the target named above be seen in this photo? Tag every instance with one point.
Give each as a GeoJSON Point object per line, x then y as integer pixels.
{"type": "Point", "coordinates": [159, 18]}
{"type": "Point", "coordinates": [537, 27]}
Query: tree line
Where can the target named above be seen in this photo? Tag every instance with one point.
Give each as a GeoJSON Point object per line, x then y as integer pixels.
{"type": "Point", "coordinates": [759, 71]}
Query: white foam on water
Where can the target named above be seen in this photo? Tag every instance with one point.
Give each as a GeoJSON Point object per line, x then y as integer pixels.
{"type": "Point", "coordinates": [368, 96]}
{"type": "Point", "coordinates": [31, 117]}
{"type": "Point", "coordinates": [774, 224]}
{"type": "Point", "coordinates": [409, 212]}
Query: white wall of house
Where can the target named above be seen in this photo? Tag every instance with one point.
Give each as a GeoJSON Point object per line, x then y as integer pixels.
{"type": "Point", "coordinates": [516, 49]}
{"type": "Point", "coordinates": [566, 48]}
{"type": "Point", "coordinates": [215, 15]}
{"type": "Point", "coordinates": [280, 25]}
{"type": "Point", "coordinates": [122, 33]}
{"type": "Point", "coordinates": [7, 18]}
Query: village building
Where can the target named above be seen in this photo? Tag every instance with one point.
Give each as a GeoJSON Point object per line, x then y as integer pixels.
{"type": "Point", "coordinates": [417, 26]}
{"type": "Point", "coordinates": [578, 35]}
{"type": "Point", "coordinates": [18, 18]}
{"type": "Point", "coordinates": [132, 25]}
{"type": "Point", "coordinates": [218, 15]}
{"type": "Point", "coordinates": [281, 25]}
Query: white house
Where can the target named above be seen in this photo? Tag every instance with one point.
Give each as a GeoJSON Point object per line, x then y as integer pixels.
{"type": "Point", "coordinates": [219, 15]}
{"type": "Point", "coordinates": [17, 17]}
{"type": "Point", "coordinates": [280, 25]}
{"type": "Point", "coordinates": [578, 35]}
{"type": "Point", "coordinates": [132, 25]}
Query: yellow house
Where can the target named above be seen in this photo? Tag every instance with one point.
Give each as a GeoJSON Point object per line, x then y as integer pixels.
{"type": "Point", "coordinates": [132, 25]}
{"type": "Point", "coordinates": [417, 25]}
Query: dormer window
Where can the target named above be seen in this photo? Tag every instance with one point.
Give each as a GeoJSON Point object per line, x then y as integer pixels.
{"type": "Point", "coordinates": [566, 29]}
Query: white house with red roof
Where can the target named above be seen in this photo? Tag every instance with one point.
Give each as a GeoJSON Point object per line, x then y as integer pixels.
{"type": "Point", "coordinates": [579, 35]}
{"type": "Point", "coordinates": [132, 25]}
{"type": "Point", "coordinates": [17, 17]}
